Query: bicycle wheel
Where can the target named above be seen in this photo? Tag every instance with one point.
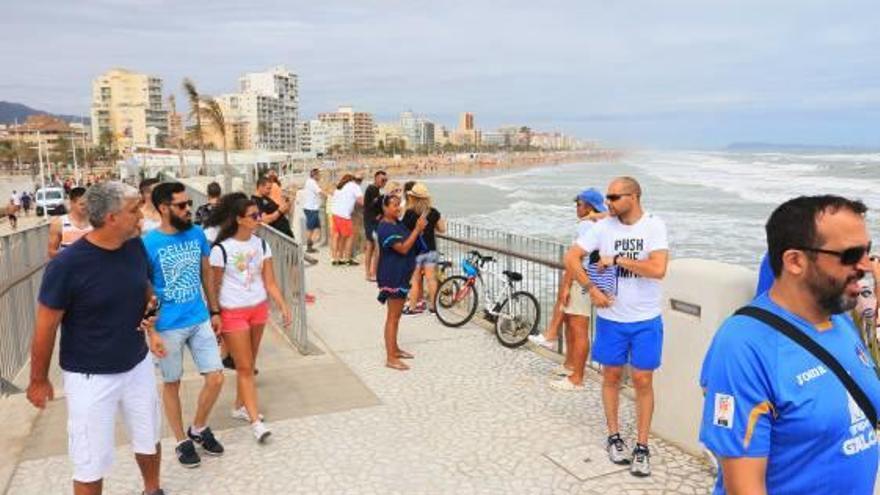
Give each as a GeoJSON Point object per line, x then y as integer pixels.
{"type": "Point", "coordinates": [517, 318]}
{"type": "Point", "coordinates": [456, 301]}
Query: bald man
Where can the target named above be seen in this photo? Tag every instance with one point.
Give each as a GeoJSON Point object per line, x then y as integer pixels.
{"type": "Point", "coordinates": [629, 329]}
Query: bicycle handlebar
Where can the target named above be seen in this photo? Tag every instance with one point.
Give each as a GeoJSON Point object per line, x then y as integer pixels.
{"type": "Point", "coordinates": [480, 258]}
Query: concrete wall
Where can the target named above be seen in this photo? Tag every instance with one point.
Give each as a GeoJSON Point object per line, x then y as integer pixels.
{"type": "Point", "coordinates": [714, 290]}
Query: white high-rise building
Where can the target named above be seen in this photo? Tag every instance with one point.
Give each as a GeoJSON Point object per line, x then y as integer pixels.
{"type": "Point", "coordinates": [267, 106]}
{"type": "Point", "coordinates": [418, 131]}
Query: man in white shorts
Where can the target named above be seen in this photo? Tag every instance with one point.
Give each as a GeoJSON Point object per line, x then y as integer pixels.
{"type": "Point", "coordinates": [98, 291]}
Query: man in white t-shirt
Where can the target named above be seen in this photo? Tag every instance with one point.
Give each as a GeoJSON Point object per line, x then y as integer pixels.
{"type": "Point", "coordinates": [312, 209]}
{"type": "Point", "coordinates": [344, 202]}
{"type": "Point", "coordinates": [629, 329]}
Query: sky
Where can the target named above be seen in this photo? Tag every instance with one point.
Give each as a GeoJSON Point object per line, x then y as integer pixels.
{"type": "Point", "coordinates": [665, 74]}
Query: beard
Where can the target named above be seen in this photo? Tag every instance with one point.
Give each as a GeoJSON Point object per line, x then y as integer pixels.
{"type": "Point", "coordinates": [830, 294]}
{"type": "Point", "coordinates": [180, 223]}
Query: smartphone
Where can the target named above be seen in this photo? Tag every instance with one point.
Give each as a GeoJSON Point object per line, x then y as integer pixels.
{"type": "Point", "coordinates": [151, 312]}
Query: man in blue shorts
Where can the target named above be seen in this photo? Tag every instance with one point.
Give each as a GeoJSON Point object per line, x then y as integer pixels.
{"type": "Point", "coordinates": [778, 418]}
{"type": "Point", "coordinates": [629, 329]}
{"type": "Point", "coordinates": [178, 254]}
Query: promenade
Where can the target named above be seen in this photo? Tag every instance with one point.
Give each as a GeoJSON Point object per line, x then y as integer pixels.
{"type": "Point", "coordinates": [470, 417]}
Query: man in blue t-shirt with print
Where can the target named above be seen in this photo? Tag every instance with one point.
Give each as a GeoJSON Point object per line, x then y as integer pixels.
{"type": "Point", "coordinates": [178, 253]}
{"type": "Point", "coordinates": [779, 419]}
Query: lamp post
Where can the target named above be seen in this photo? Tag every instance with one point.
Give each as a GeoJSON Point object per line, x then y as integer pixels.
{"type": "Point", "coordinates": [42, 174]}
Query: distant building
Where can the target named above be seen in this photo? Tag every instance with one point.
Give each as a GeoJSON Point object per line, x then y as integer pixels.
{"type": "Point", "coordinates": [466, 134]}
{"type": "Point", "coordinates": [496, 139]}
{"type": "Point", "coordinates": [418, 131]}
{"type": "Point", "coordinates": [263, 114]}
{"type": "Point", "coordinates": [47, 129]}
{"type": "Point", "coordinates": [466, 121]}
{"type": "Point", "coordinates": [304, 136]}
{"type": "Point", "coordinates": [350, 130]}
{"type": "Point", "coordinates": [390, 136]}
{"type": "Point", "coordinates": [127, 105]}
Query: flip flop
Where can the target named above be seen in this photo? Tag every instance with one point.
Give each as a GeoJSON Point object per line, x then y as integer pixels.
{"type": "Point", "coordinates": [397, 366]}
{"type": "Point", "coordinates": [404, 355]}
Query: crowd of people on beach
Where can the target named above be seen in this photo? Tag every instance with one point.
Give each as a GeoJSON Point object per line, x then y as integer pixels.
{"type": "Point", "coordinates": [791, 391]}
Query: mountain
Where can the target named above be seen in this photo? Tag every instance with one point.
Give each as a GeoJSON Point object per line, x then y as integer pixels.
{"type": "Point", "coordinates": [10, 111]}
{"type": "Point", "coordinates": [793, 148]}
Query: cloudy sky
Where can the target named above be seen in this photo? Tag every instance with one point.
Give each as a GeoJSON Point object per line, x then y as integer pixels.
{"type": "Point", "coordinates": [643, 73]}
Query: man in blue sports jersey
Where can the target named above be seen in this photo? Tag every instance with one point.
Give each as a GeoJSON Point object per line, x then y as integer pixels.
{"type": "Point", "coordinates": [777, 417]}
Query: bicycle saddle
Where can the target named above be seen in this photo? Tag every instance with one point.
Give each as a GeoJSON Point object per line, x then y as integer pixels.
{"type": "Point", "coordinates": [512, 276]}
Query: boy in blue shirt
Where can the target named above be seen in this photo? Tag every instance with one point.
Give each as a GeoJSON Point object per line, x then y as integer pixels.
{"type": "Point", "coordinates": [778, 418]}
{"type": "Point", "coordinates": [178, 253]}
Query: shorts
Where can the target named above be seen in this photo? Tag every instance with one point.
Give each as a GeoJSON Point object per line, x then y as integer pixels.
{"type": "Point", "coordinates": [313, 219]}
{"type": "Point", "coordinates": [92, 404]}
{"type": "Point", "coordinates": [343, 226]}
{"type": "Point", "coordinates": [428, 259]}
{"type": "Point", "coordinates": [579, 303]}
{"type": "Point", "coordinates": [370, 231]}
{"type": "Point", "coordinates": [639, 343]}
{"type": "Point", "coordinates": [202, 345]}
{"type": "Point", "coordinates": [241, 319]}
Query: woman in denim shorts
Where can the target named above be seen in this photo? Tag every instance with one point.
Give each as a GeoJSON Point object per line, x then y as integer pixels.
{"type": "Point", "coordinates": [419, 204]}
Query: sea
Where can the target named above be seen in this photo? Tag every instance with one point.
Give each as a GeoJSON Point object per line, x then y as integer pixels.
{"type": "Point", "coordinates": [715, 204]}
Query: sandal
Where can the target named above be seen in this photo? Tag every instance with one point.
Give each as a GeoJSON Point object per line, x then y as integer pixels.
{"type": "Point", "coordinates": [397, 366]}
{"type": "Point", "coordinates": [404, 355]}
{"type": "Point", "coordinates": [349, 262]}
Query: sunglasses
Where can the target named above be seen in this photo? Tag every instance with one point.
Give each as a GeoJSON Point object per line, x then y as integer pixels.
{"type": "Point", "coordinates": [848, 257]}
{"type": "Point", "coordinates": [615, 197]}
{"type": "Point", "coordinates": [183, 204]}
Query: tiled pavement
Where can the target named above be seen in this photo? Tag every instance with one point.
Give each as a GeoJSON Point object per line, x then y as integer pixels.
{"type": "Point", "coordinates": [470, 417]}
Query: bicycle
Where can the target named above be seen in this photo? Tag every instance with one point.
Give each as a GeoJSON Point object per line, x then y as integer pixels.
{"type": "Point", "coordinates": [515, 313]}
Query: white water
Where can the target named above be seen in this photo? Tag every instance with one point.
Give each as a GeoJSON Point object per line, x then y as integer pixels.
{"type": "Point", "coordinates": [714, 203]}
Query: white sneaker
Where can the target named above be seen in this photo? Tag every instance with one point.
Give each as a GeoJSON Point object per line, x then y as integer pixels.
{"type": "Point", "coordinates": [242, 414]}
{"type": "Point", "coordinates": [261, 431]}
{"type": "Point", "coordinates": [565, 385]}
{"type": "Point", "coordinates": [561, 370]}
{"type": "Point", "coordinates": [542, 341]}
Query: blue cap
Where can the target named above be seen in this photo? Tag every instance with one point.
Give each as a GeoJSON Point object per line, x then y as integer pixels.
{"type": "Point", "coordinates": [593, 198]}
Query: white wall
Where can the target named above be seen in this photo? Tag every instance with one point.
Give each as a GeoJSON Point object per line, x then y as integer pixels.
{"type": "Point", "coordinates": [718, 289]}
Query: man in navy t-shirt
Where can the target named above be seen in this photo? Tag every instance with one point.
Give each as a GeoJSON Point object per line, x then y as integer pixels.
{"type": "Point", "coordinates": [97, 290]}
{"type": "Point", "coordinates": [179, 269]}
{"type": "Point", "coordinates": [779, 419]}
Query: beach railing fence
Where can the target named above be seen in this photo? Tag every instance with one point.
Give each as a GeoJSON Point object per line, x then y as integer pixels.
{"type": "Point", "coordinates": [289, 267]}
{"type": "Point", "coordinates": [23, 258]}
{"type": "Point", "coordinates": [540, 261]}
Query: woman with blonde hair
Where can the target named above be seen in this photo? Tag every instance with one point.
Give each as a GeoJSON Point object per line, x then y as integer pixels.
{"type": "Point", "coordinates": [419, 205]}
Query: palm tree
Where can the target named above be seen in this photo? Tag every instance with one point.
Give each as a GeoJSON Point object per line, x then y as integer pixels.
{"type": "Point", "coordinates": [214, 114]}
{"type": "Point", "coordinates": [172, 104]}
{"type": "Point", "coordinates": [195, 101]}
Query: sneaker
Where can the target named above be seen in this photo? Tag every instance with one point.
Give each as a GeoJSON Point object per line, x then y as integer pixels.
{"type": "Point", "coordinates": [261, 432]}
{"type": "Point", "coordinates": [641, 461]}
{"type": "Point", "coordinates": [561, 370]}
{"type": "Point", "coordinates": [617, 450]}
{"type": "Point", "coordinates": [565, 385]}
{"type": "Point", "coordinates": [241, 413]}
{"type": "Point", "coordinates": [187, 455]}
{"type": "Point", "coordinates": [542, 341]}
{"type": "Point", "coordinates": [207, 440]}
{"type": "Point", "coordinates": [349, 262]}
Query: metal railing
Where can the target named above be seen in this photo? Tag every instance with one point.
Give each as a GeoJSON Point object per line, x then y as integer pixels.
{"type": "Point", "coordinates": [287, 260]}
{"type": "Point", "coordinates": [23, 257]}
{"type": "Point", "coordinates": [540, 262]}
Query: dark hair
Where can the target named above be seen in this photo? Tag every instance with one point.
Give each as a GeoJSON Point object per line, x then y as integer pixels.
{"type": "Point", "coordinates": [220, 213]}
{"type": "Point", "coordinates": [344, 180]}
{"type": "Point", "coordinates": [214, 190]}
{"type": "Point", "coordinates": [378, 173]}
{"type": "Point", "coordinates": [76, 193]}
{"type": "Point", "coordinates": [793, 224]}
{"type": "Point", "coordinates": [236, 209]}
{"type": "Point", "coordinates": [408, 185]}
{"type": "Point", "coordinates": [163, 193]}
{"type": "Point", "coordinates": [146, 184]}
{"type": "Point", "coordinates": [314, 171]}
{"type": "Point", "coordinates": [262, 181]}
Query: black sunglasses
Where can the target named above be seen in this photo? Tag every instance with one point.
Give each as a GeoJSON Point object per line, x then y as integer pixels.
{"type": "Point", "coordinates": [182, 204]}
{"type": "Point", "coordinates": [615, 197]}
{"type": "Point", "coordinates": [849, 256]}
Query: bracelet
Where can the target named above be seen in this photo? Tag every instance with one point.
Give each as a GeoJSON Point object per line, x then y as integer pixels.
{"type": "Point", "coordinates": [215, 313]}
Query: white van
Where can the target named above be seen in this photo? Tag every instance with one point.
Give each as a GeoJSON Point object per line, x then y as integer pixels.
{"type": "Point", "coordinates": [52, 200]}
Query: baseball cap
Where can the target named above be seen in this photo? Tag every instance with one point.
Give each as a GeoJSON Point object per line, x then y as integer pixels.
{"type": "Point", "coordinates": [593, 198]}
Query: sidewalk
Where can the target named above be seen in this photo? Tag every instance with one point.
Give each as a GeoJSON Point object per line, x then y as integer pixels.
{"type": "Point", "coordinates": [470, 417]}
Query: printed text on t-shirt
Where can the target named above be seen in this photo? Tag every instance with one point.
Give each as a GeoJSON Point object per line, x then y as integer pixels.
{"type": "Point", "coordinates": [628, 248]}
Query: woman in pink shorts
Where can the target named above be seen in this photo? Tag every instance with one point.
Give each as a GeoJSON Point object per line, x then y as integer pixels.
{"type": "Point", "coordinates": [243, 278]}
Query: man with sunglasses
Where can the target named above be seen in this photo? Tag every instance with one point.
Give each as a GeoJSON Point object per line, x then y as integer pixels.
{"type": "Point", "coordinates": [629, 329]}
{"type": "Point", "coordinates": [179, 254]}
{"type": "Point", "coordinates": [779, 418]}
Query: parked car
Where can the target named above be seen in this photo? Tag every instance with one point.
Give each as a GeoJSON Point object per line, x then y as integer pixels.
{"type": "Point", "coordinates": [50, 199]}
